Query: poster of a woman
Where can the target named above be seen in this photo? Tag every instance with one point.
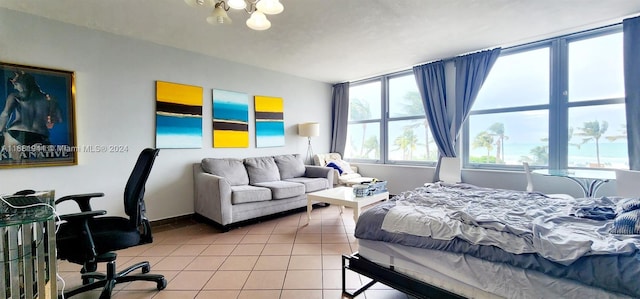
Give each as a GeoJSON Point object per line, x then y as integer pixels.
{"type": "Point", "coordinates": [36, 117]}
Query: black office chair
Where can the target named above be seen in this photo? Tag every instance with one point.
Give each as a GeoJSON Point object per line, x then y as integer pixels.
{"type": "Point", "coordinates": [88, 240]}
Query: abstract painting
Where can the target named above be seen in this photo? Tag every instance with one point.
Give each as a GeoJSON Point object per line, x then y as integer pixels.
{"type": "Point", "coordinates": [178, 115]}
{"type": "Point", "coordinates": [230, 119]}
{"type": "Point", "coordinates": [269, 121]}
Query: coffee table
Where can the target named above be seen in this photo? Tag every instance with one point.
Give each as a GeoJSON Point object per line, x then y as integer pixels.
{"type": "Point", "coordinates": [343, 196]}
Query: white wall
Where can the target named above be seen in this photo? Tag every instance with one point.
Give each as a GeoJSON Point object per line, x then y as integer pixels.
{"type": "Point", "coordinates": [115, 105]}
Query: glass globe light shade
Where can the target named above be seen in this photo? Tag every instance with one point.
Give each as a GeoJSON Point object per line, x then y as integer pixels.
{"type": "Point", "coordinates": [237, 4]}
{"type": "Point", "coordinates": [270, 7]}
{"type": "Point", "coordinates": [258, 21]}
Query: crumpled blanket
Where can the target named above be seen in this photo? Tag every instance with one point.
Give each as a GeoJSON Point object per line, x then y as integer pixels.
{"type": "Point", "coordinates": [595, 213]}
{"type": "Point", "coordinates": [515, 221]}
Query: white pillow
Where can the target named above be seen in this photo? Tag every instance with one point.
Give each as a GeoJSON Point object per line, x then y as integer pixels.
{"type": "Point", "coordinates": [346, 168]}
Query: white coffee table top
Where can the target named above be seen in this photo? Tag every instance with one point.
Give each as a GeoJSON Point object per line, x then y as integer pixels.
{"type": "Point", "coordinates": [343, 196]}
{"type": "Point", "coordinates": [344, 193]}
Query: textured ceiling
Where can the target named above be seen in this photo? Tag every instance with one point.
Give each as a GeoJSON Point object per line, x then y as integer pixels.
{"type": "Point", "coordinates": [339, 40]}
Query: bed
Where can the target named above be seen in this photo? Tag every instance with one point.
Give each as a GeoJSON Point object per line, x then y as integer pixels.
{"type": "Point", "coordinates": [463, 241]}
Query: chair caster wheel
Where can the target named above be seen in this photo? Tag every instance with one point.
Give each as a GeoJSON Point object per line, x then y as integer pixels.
{"type": "Point", "coordinates": [146, 269]}
{"type": "Point", "coordinates": [162, 284]}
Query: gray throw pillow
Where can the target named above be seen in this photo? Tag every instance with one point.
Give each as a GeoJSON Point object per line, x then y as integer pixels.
{"type": "Point", "coordinates": [231, 169]}
{"type": "Point", "coordinates": [290, 166]}
{"type": "Point", "coordinates": [261, 169]}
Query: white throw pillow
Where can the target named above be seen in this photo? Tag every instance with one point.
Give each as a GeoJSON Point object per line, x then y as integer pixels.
{"type": "Point", "coordinates": [346, 168]}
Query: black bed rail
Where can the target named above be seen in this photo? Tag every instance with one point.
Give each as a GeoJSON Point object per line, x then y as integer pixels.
{"type": "Point", "coordinates": [390, 277]}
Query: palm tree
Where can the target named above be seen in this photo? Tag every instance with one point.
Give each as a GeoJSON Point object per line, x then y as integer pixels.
{"type": "Point", "coordinates": [413, 106]}
{"type": "Point", "coordinates": [406, 142]}
{"type": "Point", "coordinates": [359, 110]}
{"type": "Point", "coordinates": [428, 140]}
{"type": "Point", "coordinates": [497, 130]}
{"type": "Point", "coordinates": [541, 154]}
{"type": "Point", "coordinates": [484, 139]}
{"type": "Point", "coordinates": [371, 144]}
{"type": "Point", "coordinates": [593, 130]}
{"type": "Point", "coordinates": [623, 134]}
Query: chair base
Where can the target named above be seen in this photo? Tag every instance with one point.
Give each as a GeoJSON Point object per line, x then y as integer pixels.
{"type": "Point", "coordinates": [111, 278]}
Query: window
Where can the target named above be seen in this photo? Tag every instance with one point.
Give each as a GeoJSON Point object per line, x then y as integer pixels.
{"type": "Point", "coordinates": [510, 116]}
{"type": "Point", "coordinates": [557, 103]}
{"type": "Point", "coordinates": [597, 123]}
{"type": "Point", "coordinates": [387, 121]}
{"type": "Point", "coordinates": [365, 116]}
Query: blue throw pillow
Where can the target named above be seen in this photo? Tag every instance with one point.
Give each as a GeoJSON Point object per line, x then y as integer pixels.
{"type": "Point", "coordinates": [335, 166]}
{"type": "Point", "coordinates": [627, 204]}
{"type": "Point", "coordinates": [627, 223]}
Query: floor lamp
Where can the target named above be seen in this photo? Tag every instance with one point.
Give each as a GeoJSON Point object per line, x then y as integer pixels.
{"type": "Point", "coordinates": [309, 130]}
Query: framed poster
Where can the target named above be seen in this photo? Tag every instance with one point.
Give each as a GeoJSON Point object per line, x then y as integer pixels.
{"type": "Point", "coordinates": [178, 115]}
{"type": "Point", "coordinates": [230, 119]}
{"type": "Point", "coordinates": [269, 121]}
{"type": "Point", "coordinates": [37, 118]}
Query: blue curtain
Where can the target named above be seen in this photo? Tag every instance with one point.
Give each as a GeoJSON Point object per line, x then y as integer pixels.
{"type": "Point", "coordinates": [471, 72]}
{"type": "Point", "coordinates": [631, 41]}
{"type": "Point", "coordinates": [339, 117]}
{"type": "Point", "coordinates": [431, 83]}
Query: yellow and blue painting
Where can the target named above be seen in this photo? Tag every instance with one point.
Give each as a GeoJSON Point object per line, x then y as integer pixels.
{"type": "Point", "coordinates": [269, 121]}
{"type": "Point", "coordinates": [230, 119]}
{"type": "Point", "coordinates": [178, 115]}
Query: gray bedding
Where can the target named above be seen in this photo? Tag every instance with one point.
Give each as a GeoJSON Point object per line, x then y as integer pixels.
{"type": "Point", "coordinates": [617, 270]}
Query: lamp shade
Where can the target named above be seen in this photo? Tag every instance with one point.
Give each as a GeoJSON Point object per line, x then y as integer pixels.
{"type": "Point", "coordinates": [258, 21]}
{"type": "Point", "coordinates": [218, 16]}
{"type": "Point", "coordinates": [270, 7]}
{"type": "Point", "coordinates": [237, 4]}
{"type": "Point", "coordinates": [309, 129]}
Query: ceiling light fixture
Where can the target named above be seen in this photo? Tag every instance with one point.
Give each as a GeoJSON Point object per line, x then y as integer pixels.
{"type": "Point", "coordinates": [257, 9]}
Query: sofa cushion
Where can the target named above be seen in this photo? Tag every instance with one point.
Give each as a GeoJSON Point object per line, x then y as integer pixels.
{"type": "Point", "coordinates": [283, 189]}
{"type": "Point", "coordinates": [261, 169]}
{"type": "Point", "coordinates": [231, 169]}
{"type": "Point", "coordinates": [311, 184]}
{"type": "Point", "coordinates": [248, 193]}
{"type": "Point", "coordinates": [289, 166]}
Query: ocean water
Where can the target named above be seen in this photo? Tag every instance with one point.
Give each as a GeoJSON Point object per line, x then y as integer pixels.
{"type": "Point", "coordinates": [612, 154]}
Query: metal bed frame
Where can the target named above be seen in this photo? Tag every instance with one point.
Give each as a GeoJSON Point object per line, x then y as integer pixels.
{"type": "Point", "coordinates": [401, 282]}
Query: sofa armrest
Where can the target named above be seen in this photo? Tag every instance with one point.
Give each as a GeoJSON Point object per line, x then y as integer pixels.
{"type": "Point", "coordinates": [212, 196]}
{"type": "Point", "coordinates": [320, 172]}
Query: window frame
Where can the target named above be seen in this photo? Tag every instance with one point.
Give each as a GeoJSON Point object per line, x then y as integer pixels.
{"type": "Point", "coordinates": [368, 121]}
{"type": "Point", "coordinates": [559, 104]}
{"type": "Point", "coordinates": [385, 119]}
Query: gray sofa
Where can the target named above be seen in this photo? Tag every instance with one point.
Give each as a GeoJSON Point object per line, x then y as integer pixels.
{"type": "Point", "coordinates": [230, 190]}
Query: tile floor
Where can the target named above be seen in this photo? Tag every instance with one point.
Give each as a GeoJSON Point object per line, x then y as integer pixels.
{"type": "Point", "coordinates": [280, 258]}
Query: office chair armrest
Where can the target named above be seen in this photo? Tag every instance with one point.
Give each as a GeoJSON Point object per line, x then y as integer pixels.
{"type": "Point", "coordinates": [81, 220]}
{"type": "Point", "coordinates": [81, 199]}
{"type": "Point", "coordinates": [82, 215]}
